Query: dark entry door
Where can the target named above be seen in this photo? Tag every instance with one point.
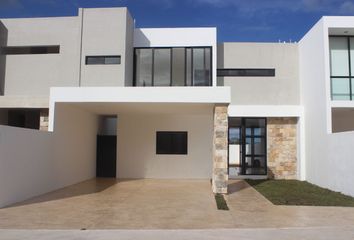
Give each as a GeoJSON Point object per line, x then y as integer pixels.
{"type": "Point", "coordinates": [254, 152]}
{"type": "Point", "coordinates": [106, 156]}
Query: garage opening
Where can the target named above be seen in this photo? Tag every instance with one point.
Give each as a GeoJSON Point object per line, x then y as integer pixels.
{"type": "Point", "coordinates": [106, 160]}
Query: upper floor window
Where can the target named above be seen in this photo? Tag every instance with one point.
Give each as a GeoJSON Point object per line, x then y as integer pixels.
{"type": "Point", "coordinates": [17, 50]}
{"type": "Point", "coordinates": [342, 67]}
{"type": "Point", "coordinates": [99, 60]}
{"type": "Point", "coordinates": [246, 72]}
{"type": "Point", "coordinates": [180, 66]}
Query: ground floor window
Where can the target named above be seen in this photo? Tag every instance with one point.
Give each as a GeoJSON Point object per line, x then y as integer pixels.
{"type": "Point", "coordinates": [247, 146]}
{"type": "Point", "coordinates": [171, 142]}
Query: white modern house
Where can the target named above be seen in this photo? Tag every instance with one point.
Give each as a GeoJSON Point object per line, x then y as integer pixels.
{"type": "Point", "coordinates": [92, 96]}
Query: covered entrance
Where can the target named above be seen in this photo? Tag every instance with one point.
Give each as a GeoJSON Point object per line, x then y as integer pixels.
{"type": "Point", "coordinates": [247, 146]}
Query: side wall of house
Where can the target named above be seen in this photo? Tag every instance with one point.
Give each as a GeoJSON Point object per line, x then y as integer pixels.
{"type": "Point", "coordinates": [329, 161]}
{"type": "Point", "coordinates": [34, 162]}
{"type": "Point", "coordinates": [137, 156]}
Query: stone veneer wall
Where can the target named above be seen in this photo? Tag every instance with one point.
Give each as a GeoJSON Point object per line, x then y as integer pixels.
{"type": "Point", "coordinates": [220, 173]}
{"type": "Point", "coordinates": [282, 148]}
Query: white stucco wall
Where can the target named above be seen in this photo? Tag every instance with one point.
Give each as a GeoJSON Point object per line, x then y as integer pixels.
{"type": "Point", "coordinates": [34, 74]}
{"type": "Point", "coordinates": [137, 146]}
{"type": "Point", "coordinates": [104, 33]}
{"type": "Point", "coordinates": [178, 37]}
{"type": "Point", "coordinates": [329, 157]}
{"type": "Point", "coordinates": [35, 162]}
{"type": "Point", "coordinates": [283, 89]}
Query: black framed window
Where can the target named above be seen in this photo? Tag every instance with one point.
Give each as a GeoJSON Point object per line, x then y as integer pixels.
{"type": "Point", "coordinates": [102, 60]}
{"type": "Point", "coordinates": [177, 66]}
{"type": "Point", "coordinates": [250, 137]}
{"type": "Point", "coordinates": [342, 67]}
{"type": "Point", "coordinates": [171, 142]}
{"type": "Point", "coordinates": [246, 72]}
{"type": "Point", "coordinates": [18, 50]}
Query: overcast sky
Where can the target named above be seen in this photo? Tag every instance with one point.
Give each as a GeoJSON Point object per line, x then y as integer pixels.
{"type": "Point", "coordinates": [236, 20]}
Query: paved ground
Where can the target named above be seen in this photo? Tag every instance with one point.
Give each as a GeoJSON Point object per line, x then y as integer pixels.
{"type": "Point", "coordinates": [164, 204]}
{"type": "Point", "coordinates": [219, 234]}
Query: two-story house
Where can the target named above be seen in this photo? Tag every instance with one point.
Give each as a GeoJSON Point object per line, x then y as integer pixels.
{"type": "Point", "coordinates": [93, 96]}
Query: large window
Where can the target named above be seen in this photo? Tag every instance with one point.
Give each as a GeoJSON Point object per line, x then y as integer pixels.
{"type": "Point", "coordinates": [342, 67]}
{"type": "Point", "coordinates": [180, 66]}
{"type": "Point", "coordinates": [171, 142]}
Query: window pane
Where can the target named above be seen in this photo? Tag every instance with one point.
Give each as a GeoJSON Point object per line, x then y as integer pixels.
{"type": "Point", "coordinates": [198, 67]}
{"type": "Point", "coordinates": [207, 58]}
{"type": "Point", "coordinates": [112, 60]}
{"type": "Point", "coordinates": [143, 70]}
{"type": "Point", "coordinates": [201, 66]}
{"type": "Point", "coordinates": [339, 56]}
{"type": "Point", "coordinates": [340, 89]}
{"type": "Point", "coordinates": [162, 67]}
{"type": "Point", "coordinates": [255, 166]}
{"type": "Point", "coordinates": [189, 67]}
{"type": "Point", "coordinates": [255, 123]}
{"type": "Point", "coordinates": [234, 135]}
{"type": "Point", "coordinates": [259, 146]}
{"type": "Point", "coordinates": [352, 56]}
{"type": "Point", "coordinates": [248, 146]}
{"type": "Point", "coordinates": [94, 60]}
{"type": "Point", "coordinates": [178, 65]}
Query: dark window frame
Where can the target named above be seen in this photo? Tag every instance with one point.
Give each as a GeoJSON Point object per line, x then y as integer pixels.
{"type": "Point", "coordinates": [350, 77]}
{"type": "Point", "coordinates": [246, 72]}
{"type": "Point", "coordinates": [173, 149]}
{"type": "Point", "coordinates": [26, 50]}
{"type": "Point", "coordinates": [210, 83]}
{"type": "Point", "coordinates": [104, 57]}
{"type": "Point", "coordinates": [242, 137]}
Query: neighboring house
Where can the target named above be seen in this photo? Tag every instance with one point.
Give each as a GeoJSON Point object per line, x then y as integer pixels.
{"type": "Point", "coordinates": [113, 100]}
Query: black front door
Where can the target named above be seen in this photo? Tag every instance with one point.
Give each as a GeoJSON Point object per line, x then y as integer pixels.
{"type": "Point", "coordinates": [106, 156]}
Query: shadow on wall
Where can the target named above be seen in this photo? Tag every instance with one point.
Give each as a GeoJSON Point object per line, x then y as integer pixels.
{"type": "Point", "coordinates": [220, 57]}
{"type": "Point", "coordinates": [270, 174]}
{"type": "Point", "coordinates": [3, 42]}
{"type": "Point", "coordinates": [140, 39]}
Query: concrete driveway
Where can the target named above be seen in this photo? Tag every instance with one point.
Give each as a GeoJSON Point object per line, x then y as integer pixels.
{"type": "Point", "coordinates": [162, 204]}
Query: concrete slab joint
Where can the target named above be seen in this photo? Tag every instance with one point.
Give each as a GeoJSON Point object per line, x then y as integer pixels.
{"type": "Point", "coordinates": [220, 141]}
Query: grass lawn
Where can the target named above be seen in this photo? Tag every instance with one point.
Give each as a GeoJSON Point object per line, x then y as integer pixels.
{"type": "Point", "coordinates": [293, 192]}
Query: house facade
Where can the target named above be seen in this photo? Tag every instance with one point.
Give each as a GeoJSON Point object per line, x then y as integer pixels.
{"type": "Point", "coordinates": [93, 96]}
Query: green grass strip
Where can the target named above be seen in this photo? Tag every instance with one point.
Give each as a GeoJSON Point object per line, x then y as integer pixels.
{"type": "Point", "coordinates": [220, 202]}
{"type": "Point", "coordinates": [302, 193]}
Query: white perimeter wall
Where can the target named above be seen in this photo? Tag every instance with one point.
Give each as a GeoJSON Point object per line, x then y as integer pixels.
{"type": "Point", "coordinates": [34, 162]}
{"type": "Point", "coordinates": [329, 157]}
{"type": "Point", "coordinates": [137, 146]}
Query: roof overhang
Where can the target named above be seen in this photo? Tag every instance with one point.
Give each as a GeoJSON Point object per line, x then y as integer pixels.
{"type": "Point", "coordinates": [115, 100]}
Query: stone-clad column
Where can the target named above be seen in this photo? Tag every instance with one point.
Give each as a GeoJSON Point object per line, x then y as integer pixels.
{"type": "Point", "coordinates": [220, 142]}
